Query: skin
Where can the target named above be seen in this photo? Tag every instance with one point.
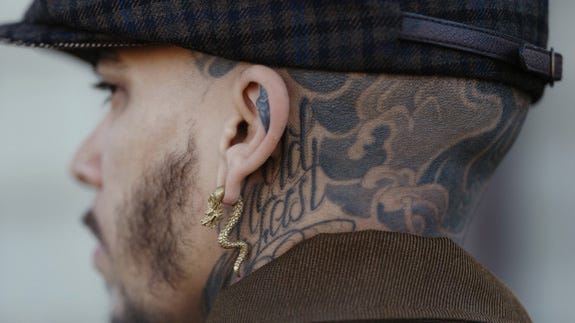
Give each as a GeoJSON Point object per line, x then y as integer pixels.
{"type": "Point", "coordinates": [152, 115]}
{"type": "Point", "coordinates": [310, 152]}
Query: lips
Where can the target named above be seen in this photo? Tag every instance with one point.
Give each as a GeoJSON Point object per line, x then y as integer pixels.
{"type": "Point", "coordinates": [90, 221]}
{"type": "Point", "coordinates": [100, 256]}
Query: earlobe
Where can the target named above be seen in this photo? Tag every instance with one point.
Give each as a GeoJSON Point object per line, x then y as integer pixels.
{"type": "Point", "coordinates": [262, 104]}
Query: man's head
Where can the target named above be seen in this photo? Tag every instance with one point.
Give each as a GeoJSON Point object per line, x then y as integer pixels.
{"type": "Point", "coordinates": [365, 122]}
{"type": "Point", "coordinates": [310, 152]}
{"type": "Point", "coordinates": [179, 125]}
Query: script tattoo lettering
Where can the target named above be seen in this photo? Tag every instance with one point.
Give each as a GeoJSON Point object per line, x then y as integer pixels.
{"type": "Point", "coordinates": [412, 153]}
{"type": "Point", "coordinates": [273, 212]}
{"type": "Point", "coordinates": [392, 153]}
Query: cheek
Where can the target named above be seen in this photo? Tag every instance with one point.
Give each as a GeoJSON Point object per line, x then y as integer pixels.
{"type": "Point", "coordinates": [131, 151]}
{"type": "Point", "coordinates": [122, 163]}
{"type": "Point", "coordinates": [129, 146]}
{"type": "Point", "coordinates": [138, 138]}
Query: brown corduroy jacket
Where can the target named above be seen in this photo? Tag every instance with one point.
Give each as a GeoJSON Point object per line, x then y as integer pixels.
{"type": "Point", "coordinates": [370, 276]}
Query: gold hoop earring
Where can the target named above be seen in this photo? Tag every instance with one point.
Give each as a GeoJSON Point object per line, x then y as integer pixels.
{"type": "Point", "coordinates": [213, 215]}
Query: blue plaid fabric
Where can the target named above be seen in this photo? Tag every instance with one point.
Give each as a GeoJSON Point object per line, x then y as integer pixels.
{"type": "Point", "coordinates": [336, 35]}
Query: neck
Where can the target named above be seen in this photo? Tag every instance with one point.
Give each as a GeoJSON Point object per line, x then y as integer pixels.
{"type": "Point", "coordinates": [285, 207]}
{"type": "Point", "coordinates": [416, 165]}
{"type": "Point", "coordinates": [376, 153]}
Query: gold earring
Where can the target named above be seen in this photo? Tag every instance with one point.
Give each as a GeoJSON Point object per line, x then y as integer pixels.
{"type": "Point", "coordinates": [214, 213]}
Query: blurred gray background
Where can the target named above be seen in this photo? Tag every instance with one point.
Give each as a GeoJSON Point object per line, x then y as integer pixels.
{"type": "Point", "coordinates": [524, 229]}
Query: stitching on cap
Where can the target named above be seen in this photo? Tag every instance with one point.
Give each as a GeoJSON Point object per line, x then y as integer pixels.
{"type": "Point", "coordinates": [453, 43]}
{"type": "Point", "coordinates": [464, 26]}
{"type": "Point", "coordinates": [503, 37]}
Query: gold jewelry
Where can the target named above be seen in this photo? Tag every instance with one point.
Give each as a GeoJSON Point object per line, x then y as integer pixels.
{"type": "Point", "coordinates": [214, 213]}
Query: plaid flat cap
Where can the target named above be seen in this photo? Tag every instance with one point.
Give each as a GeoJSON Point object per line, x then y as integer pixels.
{"type": "Point", "coordinates": [499, 41]}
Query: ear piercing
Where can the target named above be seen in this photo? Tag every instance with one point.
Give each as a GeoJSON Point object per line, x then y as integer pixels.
{"type": "Point", "coordinates": [213, 216]}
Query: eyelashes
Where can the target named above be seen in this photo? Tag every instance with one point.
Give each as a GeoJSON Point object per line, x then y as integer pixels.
{"type": "Point", "coordinates": [107, 87]}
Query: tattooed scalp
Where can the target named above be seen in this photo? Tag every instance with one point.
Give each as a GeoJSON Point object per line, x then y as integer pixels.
{"type": "Point", "coordinates": [394, 153]}
{"type": "Point", "coordinates": [384, 152]}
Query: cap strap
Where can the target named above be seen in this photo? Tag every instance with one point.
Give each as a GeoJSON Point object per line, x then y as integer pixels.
{"type": "Point", "coordinates": [484, 42]}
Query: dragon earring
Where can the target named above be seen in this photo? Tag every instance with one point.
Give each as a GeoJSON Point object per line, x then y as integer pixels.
{"type": "Point", "coordinates": [214, 214]}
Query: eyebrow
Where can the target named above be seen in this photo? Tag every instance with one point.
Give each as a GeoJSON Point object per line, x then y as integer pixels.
{"type": "Point", "coordinates": [109, 57]}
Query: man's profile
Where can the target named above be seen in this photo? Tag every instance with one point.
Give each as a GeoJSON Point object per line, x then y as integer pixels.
{"type": "Point", "coordinates": [354, 172]}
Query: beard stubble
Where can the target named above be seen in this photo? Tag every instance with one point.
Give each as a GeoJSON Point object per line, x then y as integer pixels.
{"type": "Point", "coordinates": [152, 225]}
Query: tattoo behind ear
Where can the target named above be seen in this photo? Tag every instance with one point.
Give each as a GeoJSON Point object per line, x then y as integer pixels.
{"type": "Point", "coordinates": [263, 106]}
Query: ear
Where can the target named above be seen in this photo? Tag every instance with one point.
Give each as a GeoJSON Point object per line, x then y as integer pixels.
{"type": "Point", "coordinates": [261, 108]}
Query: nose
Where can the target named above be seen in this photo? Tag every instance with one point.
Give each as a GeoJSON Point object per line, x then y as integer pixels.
{"type": "Point", "coordinates": [86, 165]}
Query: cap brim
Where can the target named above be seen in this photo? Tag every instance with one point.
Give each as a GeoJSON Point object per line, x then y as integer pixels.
{"type": "Point", "coordinates": [78, 43]}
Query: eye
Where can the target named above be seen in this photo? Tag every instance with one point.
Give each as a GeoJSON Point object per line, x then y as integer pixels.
{"type": "Point", "coordinates": [111, 88]}
{"type": "Point", "coordinates": [105, 86]}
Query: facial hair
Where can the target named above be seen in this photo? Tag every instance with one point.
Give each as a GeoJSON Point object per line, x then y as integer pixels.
{"type": "Point", "coordinates": [155, 217]}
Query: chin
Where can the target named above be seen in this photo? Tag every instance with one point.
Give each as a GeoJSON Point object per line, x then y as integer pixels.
{"type": "Point", "coordinates": [117, 304]}
{"type": "Point", "coordinates": [119, 309]}
{"type": "Point", "coordinates": [126, 310]}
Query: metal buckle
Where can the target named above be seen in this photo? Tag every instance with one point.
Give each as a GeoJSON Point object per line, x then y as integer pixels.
{"type": "Point", "coordinates": [552, 72]}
